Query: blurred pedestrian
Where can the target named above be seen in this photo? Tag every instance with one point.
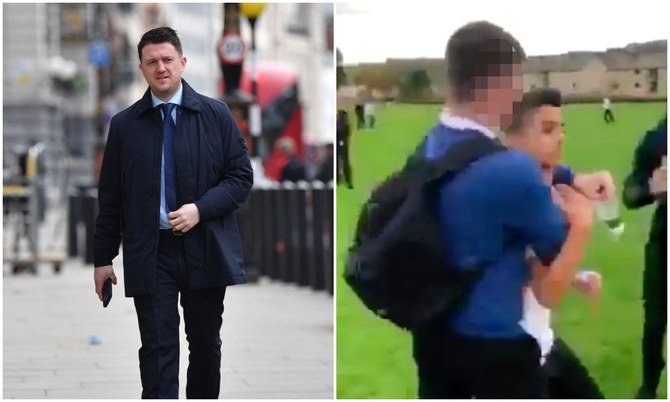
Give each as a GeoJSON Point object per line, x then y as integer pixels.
{"type": "Point", "coordinates": [370, 118]}
{"type": "Point", "coordinates": [32, 168]}
{"type": "Point", "coordinates": [359, 110]}
{"type": "Point", "coordinates": [325, 173]}
{"type": "Point", "coordinates": [343, 140]}
{"type": "Point", "coordinates": [294, 170]}
{"type": "Point", "coordinates": [243, 125]}
{"type": "Point", "coordinates": [647, 184]}
{"type": "Point", "coordinates": [607, 108]}
{"type": "Point", "coordinates": [175, 169]}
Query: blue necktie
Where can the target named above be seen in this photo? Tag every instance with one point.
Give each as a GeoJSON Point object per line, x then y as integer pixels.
{"type": "Point", "coordinates": [169, 129]}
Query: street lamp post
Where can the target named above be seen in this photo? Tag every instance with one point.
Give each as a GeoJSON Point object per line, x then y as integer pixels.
{"type": "Point", "coordinates": [252, 11]}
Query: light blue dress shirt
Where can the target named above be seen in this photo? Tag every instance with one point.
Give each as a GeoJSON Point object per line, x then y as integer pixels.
{"type": "Point", "coordinates": [176, 99]}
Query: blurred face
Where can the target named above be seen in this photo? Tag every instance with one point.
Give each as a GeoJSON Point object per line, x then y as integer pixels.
{"type": "Point", "coordinates": [543, 136]}
{"type": "Point", "coordinates": [162, 68]}
{"type": "Point", "coordinates": [496, 95]}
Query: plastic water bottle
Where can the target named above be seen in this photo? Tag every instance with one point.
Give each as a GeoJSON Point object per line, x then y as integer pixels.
{"type": "Point", "coordinates": [608, 212]}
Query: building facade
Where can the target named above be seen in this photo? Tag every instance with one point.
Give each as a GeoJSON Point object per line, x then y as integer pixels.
{"type": "Point", "coordinates": [637, 71]}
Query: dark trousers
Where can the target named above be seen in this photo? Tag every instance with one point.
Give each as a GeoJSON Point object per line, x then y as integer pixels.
{"type": "Point", "coordinates": [344, 165]}
{"type": "Point", "coordinates": [654, 293]}
{"type": "Point", "coordinates": [567, 378]}
{"type": "Point", "coordinates": [452, 367]}
{"type": "Point", "coordinates": [158, 318]}
{"type": "Point", "coordinates": [609, 117]}
{"type": "Point", "coordinates": [360, 117]}
{"type": "Point", "coordinates": [371, 120]}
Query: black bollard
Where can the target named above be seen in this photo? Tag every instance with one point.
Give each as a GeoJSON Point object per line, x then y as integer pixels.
{"type": "Point", "coordinates": [281, 246]}
{"type": "Point", "coordinates": [303, 262]}
{"type": "Point", "coordinates": [273, 231]}
{"type": "Point", "coordinates": [73, 218]}
{"type": "Point", "coordinates": [318, 219]}
{"type": "Point", "coordinates": [329, 238]}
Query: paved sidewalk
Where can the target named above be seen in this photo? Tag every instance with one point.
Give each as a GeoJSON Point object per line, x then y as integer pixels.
{"type": "Point", "coordinates": [277, 340]}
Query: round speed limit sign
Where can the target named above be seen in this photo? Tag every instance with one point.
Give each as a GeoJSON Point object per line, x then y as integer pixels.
{"type": "Point", "coordinates": [231, 49]}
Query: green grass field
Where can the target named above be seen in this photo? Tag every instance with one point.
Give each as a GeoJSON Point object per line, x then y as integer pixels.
{"type": "Point", "coordinates": [374, 358]}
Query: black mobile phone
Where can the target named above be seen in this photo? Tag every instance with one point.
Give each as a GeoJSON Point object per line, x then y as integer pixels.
{"type": "Point", "coordinates": [107, 292]}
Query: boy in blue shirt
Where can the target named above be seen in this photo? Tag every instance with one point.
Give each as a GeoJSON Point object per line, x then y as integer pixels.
{"type": "Point", "coordinates": [490, 214]}
{"type": "Point", "coordinates": [538, 130]}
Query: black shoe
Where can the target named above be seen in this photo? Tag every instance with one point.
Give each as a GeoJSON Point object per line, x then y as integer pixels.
{"type": "Point", "coordinates": [645, 393]}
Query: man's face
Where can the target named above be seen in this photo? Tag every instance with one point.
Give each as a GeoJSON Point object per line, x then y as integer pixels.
{"type": "Point", "coordinates": [543, 135]}
{"type": "Point", "coordinates": [162, 68]}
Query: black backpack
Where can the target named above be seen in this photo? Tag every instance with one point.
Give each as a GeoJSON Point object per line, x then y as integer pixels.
{"type": "Point", "coordinates": [396, 262]}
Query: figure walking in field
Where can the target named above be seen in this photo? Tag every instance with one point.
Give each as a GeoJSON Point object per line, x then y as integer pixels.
{"type": "Point", "coordinates": [359, 110]}
{"type": "Point", "coordinates": [370, 118]}
{"type": "Point", "coordinates": [608, 115]}
{"type": "Point", "coordinates": [343, 164]}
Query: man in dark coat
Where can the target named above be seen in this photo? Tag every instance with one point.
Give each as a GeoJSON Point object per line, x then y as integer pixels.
{"type": "Point", "coordinates": [175, 169]}
{"type": "Point", "coordinates": [646, 185]}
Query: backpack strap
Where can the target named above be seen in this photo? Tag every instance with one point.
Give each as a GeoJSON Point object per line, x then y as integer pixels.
{"type": "Point", "coordinates": [461, 155]}
{"type": "Point", "coordinates": [417, 158]}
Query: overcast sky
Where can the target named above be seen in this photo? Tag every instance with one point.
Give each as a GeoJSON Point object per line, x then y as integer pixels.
{"type": "Point", "coordinates": [369, 31]}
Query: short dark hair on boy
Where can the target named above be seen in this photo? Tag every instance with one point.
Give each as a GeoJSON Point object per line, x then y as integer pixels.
{"type": "Point", "coordinates": [532, 100]}
{"type": "Point", "coordinates": [479, 50]}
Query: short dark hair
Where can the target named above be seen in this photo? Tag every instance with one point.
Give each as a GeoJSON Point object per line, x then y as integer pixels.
{"type": "Point", "coordinates": [159, 35]}
{"type": "Point", "coordinates": [478, 50]}
{"type": "Point", "coordinates": [532, 100]}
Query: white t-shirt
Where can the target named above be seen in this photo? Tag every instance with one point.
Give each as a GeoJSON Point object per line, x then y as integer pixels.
{"type": "Point", "coordinates": [536, 319]}
{"type": "Point", "coordinates": [536, 322]}
{"type": "Point", "coordinates": [606, 103]}
{"type": "Point", "coordinates": [369, 109]}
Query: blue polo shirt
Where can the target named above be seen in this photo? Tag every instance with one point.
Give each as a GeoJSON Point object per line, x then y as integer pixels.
{"type": "Point", "coordinates": [490, 213]}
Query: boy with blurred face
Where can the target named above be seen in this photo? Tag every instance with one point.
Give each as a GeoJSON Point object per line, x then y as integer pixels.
{"type": "Point", "coordinates": [538, 131]}
{"type": "Point", "coordinates": [488, 216]}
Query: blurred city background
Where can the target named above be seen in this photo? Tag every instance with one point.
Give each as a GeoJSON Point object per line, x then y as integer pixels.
{"type": "Point", "coordinates": [68, 68]}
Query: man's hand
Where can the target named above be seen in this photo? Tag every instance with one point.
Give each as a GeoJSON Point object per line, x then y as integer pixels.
{"type": "Point", "coordinates": [588, 283]}
{"type": "Point", "coordinates": [100, 275]}
{"type": "Point", "coordinates": [658, 183]}
{"type": "Point", "coordinates": [185, 218]}
{"type": "Point", "coordinates": [597, 186]}
{"type": "Point", "coordinates": [577, 208]}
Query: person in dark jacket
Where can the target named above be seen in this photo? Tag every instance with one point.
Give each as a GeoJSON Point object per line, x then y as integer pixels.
{"type": "Point", "coordinates": [343, 140]}
{"type": "Point", "coordinates": [645, 185]}
{"type": "Point", "coordinates": [360, 116]}
{"type": "Point", "coordinates": [294, 170]}
{"type": "Point", "coordinates": [175, 168]}
{"type": "Point", "coordinates": [325, 173]}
